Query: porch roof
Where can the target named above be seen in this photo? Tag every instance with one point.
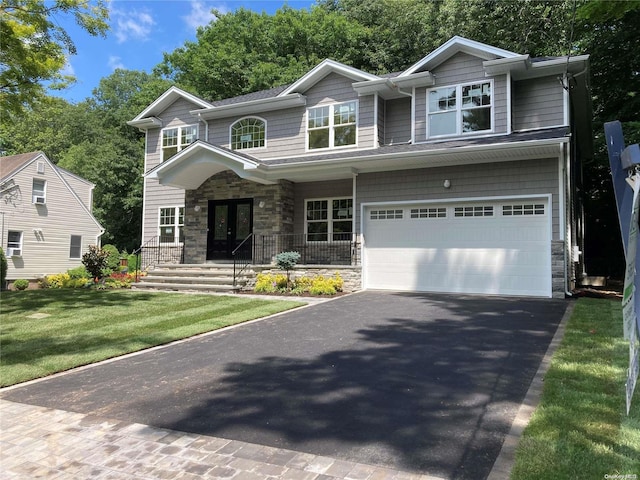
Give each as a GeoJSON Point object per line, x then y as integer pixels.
{"type": "Point", "coordinates": [192, 166]}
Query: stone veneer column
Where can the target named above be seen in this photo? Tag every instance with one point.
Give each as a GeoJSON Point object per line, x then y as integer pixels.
{"type": "Point", "coordinates": [558, 269]}
{"type": "Point", "coordinates": [275, 216]}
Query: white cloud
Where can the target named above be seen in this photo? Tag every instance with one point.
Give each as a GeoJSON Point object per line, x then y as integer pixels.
{"type": "Point", "coordinates": [115, 62]}
{"type": "Point", "coordinates": [200, 14]}
{"type": "Point", "coordinates": [132, 24]}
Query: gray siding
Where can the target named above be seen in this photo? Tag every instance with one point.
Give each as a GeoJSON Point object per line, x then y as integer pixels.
{"type": "Point", "coordinates": [487, 180]}
{"type": "Point", "coordinates": [46, 229]}
{"type": "Point", "coordinates": [538, 103]}
{"type": "Point", "coordinates": [157, 196]}
{"type": "Point", "coordinates": [309, 190]}
{"type": "Point", "coordinates": [397, 123]}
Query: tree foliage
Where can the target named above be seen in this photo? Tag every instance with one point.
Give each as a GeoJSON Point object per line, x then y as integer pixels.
{"type": "Point", "coordinates": [34, 47]}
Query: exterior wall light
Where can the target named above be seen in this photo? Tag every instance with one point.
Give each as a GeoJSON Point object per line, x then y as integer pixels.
{"type": "Point", "coordinates": [447, 183]}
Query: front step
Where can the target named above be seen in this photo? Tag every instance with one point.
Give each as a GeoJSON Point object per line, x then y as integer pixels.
{"type": "Point", "coordinates": [196, 277]}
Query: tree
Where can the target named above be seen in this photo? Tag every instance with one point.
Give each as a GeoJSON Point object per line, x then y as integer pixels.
{"type": "Point", "coordinates": [244, 51]}
{"type": "Point", "coordinates": [34, 47]}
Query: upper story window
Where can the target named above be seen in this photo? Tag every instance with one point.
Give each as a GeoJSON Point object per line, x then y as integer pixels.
{"type": "Point", "coordinates": [75, 246]}
{"type": "Point", "coordinates": [460, 109]}
{"type": "Point", "coordinates": [332, 126]}
{"type": "Point", "coordinates": [39, 191]}
{"type": "Point", "coordinates": [248, 133]}
{"type": "Point", "coordinates": [176, 138]}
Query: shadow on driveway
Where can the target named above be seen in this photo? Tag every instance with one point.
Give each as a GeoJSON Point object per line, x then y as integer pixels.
{"type": "Point", "coordinates": [420, 382]}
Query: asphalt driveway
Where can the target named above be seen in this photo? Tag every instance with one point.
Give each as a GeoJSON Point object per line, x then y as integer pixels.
{"type": "Point", "coordinates": [418, 382]}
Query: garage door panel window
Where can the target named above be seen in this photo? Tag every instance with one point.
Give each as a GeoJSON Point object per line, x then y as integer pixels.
{"type": "Point", "coordinates": [523, 209]}
{"type": "Point", "coordinates": [386, 214]}
{"type": "Point", "coordinates": [329, 219]}
{"type": "Point", "coordinates": [439, 212]}
{"type": "Point", "coordinates": [473, 211]}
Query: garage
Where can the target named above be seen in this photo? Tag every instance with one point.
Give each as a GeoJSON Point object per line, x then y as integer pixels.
{"type": "Point", "coordinates": [500, 247]}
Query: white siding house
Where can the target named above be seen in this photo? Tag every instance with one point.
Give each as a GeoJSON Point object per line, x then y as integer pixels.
{"type": "Point", "coordinates": [45, 216]}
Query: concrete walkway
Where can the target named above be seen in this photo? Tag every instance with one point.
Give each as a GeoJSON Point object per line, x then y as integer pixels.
{"type": "Point", "coordinates": [40, 442]}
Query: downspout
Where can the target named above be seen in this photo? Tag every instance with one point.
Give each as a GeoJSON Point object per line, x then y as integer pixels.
{"type": "Point", "coordinates": [206, 127]}
{"type": "Point", "coordinates": [376, 134]}
{"type": "Point", "coordinates": [566, 228]}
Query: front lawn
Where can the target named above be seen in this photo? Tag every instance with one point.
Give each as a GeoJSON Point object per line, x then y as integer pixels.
{"type": "Point", "coordinates": [580, 429]}
{"type": "Point", "coordinates": [48, 331]}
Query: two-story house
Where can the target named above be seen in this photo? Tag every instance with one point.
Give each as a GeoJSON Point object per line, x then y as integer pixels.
{"type": "Point", "coordinates": [45, 216]}
{"type": "Point", "coordinates": [458, 174]}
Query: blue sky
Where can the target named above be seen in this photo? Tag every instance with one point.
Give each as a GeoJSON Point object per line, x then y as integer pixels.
{"type": "Point", "coordinates": [141, 30]}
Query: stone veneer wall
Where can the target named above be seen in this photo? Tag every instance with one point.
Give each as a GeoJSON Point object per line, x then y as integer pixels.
{"type": "Point", "coordinates": [352, 275]}
{"type": "Point", "coordinates": [558, 269]}
{"type": "Point", "coordinates": [275, 216]}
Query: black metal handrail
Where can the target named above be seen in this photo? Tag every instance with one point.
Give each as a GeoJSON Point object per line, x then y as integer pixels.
{"type": "Point", "coordinates": [312, 252]}
{"type": "Point", "coordinates": [242, 257]}
{"type": "Point", "coordinates": [155, 251]}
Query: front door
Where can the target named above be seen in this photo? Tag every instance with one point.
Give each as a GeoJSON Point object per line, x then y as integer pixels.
{"type": "Point", "coordinates": [230, 222]}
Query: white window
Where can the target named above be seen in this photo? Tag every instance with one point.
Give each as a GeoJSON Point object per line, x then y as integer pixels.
{"type": "Point", "coordinates": [248, 133]}
{"type": "Point", "coordinates": [329, 219]}
{"type": "Point", "coordinates": [14, 244]}
{"type": "Point", "coordinates": [39, 191]}
{"type": "Point", "coordinates": [460, 109]}
{"type": "Point", "coordinates": [75, 246]}
{"type": "Point", "coordinates": [332, 126]}
{"type": "Point", "coordinates": [176, 138]}
{"type": "Point", "coordinates": [171, 221]}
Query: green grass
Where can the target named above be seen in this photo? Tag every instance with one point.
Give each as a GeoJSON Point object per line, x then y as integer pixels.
{"type": "Point", "coordinates": [580, 429]}
{"type": "Point", "coordinates": [79, 327]}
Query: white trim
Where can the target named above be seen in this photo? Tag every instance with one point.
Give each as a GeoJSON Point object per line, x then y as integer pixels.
{"type": "Point", "coordinates": [321, 70]}
{"type": "Point", "coordinates": [376, 139]}
{"type": "Point", "coordinates": [330, 218]}
{"type": "Point", "coordinates": [251, 149]}
{"type": "Point", "coordinates": [331, 127]}
{"type": "Point", "coordinates": [561, 204]}
{"type": "Point", "coordinates": [176, 224]}
{"type": "Point", "coordinates": [161, 104]}
{"type": "Point", "coordinates": [454, 45]}
{"type": "Point", "coordinates": [509, 106]}
{"type": "Point", "coordinates": [499, 198]}
{"type": "Point", "coordinates": [459, 109]}
{"type": "Point", "coordinates": [179, 145]}
{"type": "Point", "coordinates": [413, 115]}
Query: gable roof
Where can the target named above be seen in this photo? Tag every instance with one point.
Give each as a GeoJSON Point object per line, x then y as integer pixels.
{"type": "Point", "coordinates": [323, 69]}
{"type": "Point", "coordinates": [10, 165]}
{"type": "Point", "coordinates": [455, 45]}
{"type": "Point", "coordinates": [146, 118]}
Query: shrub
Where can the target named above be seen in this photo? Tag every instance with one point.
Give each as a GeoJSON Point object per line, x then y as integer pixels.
{"type": "Point", "coordinates": [57, 280]}
{"type": "Point", "coordinates": [269, 283]}
{"type": "Point", "coordinates": [78, 273]}
{"type": "Point", "coordinates": [322, 286]}
{"type": "Point", "coordinates": [95, 261]}
{"type": "Point", "coordinates": [113, 257]}
{"type": "Point", "coordinates": [3, 267]}
{"type": "Point", "coordinates": [21, 284]}
{"type": "Point", "coordinates": [286, 261]}
{"type": "Point", "coordinates": [133, 262]}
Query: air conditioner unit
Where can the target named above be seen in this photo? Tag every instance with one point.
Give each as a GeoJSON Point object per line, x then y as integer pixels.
{"type": "Point", "coordinates": [14, 252]}
{"type": "Point", "coordinates": [39, 199]}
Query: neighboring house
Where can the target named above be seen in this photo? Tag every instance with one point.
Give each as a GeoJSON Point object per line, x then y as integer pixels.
{"type": "Point", "coordinates": [45, 216]}
{"type": "Point", "coordinates": [459, 174]}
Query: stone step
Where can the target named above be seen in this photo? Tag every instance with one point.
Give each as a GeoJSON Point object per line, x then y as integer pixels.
{"type": "Point", "coordinates": [191, 279]}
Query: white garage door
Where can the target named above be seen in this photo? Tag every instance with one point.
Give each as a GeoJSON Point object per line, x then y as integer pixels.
{"type": "Point", "coordinates": [501, 247]}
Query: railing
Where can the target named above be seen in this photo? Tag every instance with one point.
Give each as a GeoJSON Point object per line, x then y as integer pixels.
{"type": "Point", "coordinates": [242, 257]}
{"type": "Point", "coordinates": [154, 252]}
{"type": "Point", "coordinates": [337, 252]}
